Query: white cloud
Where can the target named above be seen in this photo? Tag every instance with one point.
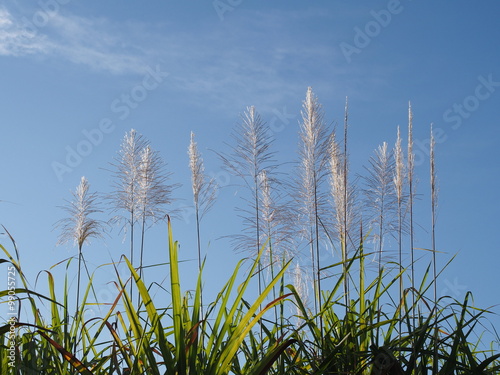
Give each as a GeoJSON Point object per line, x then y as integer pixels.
{"type": "Point", "coordinates": [247, 61]}
{"type": "Point", "coordinates": [79, 40]}
{"type": "Point", "coordinates": [15, 40]}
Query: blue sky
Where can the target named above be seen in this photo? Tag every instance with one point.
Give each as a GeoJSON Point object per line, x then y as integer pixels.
{"type": "Point", "coordinates": [70, 70]}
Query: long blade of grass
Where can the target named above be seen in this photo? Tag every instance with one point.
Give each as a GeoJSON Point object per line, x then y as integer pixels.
{"type": "Point", "coordinates": [179, 334]}
{"type": "Point", "coordinates": [75, 363]}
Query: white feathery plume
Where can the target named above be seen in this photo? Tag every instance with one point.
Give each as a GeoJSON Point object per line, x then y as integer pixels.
{"type": "Point", "coordinates": [313, 155]}
{"type": "Point", "coordinates": [79, 226]}
{"type": "Point", "coordinates": [249, 157]}
{"type": "Point", "coordinates": [154, 193]}
{"type": "Point", "coordinates": [125, 197]}
{"type": "Point", "coordinates": [197, 169]}
{"type": "Point", "coordinates": [140, 189]}
{"type": "Point", "coordinates": [204, 189]}
{"type": "Point", "coordinates": [344, 197]}
{"type": "Point", "coordinates": [411, 156]}
{"type": "Point", "coordinates": [380, 196]}
{"type": "Point", "coordinates": [313, 158]}
{"type": "Point", "coordinates": [399, 175]}
{"type": "Point", "coordinates": [337, 188]}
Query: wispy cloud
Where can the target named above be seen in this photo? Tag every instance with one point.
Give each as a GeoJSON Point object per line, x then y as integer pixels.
{"type": "Point", "coordinates": [76, 39]}
{"type": "Point", "coordinates": [16, 40]}
{"type": "Point", "coordinates": [248, 60]}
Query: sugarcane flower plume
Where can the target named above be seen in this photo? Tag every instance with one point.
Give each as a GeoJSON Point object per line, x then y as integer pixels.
{"type": "Point", "coordinates": [80, 226]}
{"type": "Point", "coordinates": [204, 188]}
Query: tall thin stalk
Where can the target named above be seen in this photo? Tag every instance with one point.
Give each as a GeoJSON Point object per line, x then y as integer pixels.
{"type": "Point", "coordinates": [313, 159]}
{"type": "Point", "coordinates": [141, 189]}
{"type": "Point", "coordinates": [79, 226]}
{"type": "Point", "coordinates": [125, 197]}
{"type": "Point", "coordinates": [399, 178]}
{"type": "Point", "coordinates": [153, 191]}
{"type": "Point", "coordinates": [434, 202]}
{"type": "Point", "coordinates": [410, 170]}
{"type": "Point", "coordinates": [204, 194]}
{"type": "Point", "coordinates": [345, 200]}
{"type": "Point", "coordinates": [381, 201]}
{"type": "Point", "coordinates": [276, 229]}
{"type": "Point", "coordinates": [249, 157]}
{"type": "Point", "coordinates": [343, 196]}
